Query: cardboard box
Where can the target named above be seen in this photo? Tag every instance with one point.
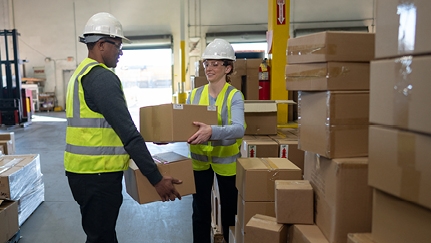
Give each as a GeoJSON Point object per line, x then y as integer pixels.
{"type": "Point", "coordinates": [306, 234]}
{"type": "Point", "coordinates": [255, 177]}
{"type": "Point", "coordinates": [246, 210]}
{"type": "Point", "coordinates": [402, 28]}
{"type": "Point", "coordinates": [240, 67]}
{"type": "Point", "coordinates": [239, 231]}
{"type": "Point", "coordinates": [294, 202]}
{"type": "Point", "coordinates": [236, 81]}
{"type": "Point", "coordinates": [399, 164]}
{"type": "Point", "coordinates": [10, 136]}
{"type": "Point", "coordinates": [260, 117]}
{"type": "Point", "coordinates": [288, 148]}
{"type": "Point", "coordinates": [200, 81]}
{"type": "Point", "coordinates": [169, 164]}
{"type": "Point", "coordinates": [334, 124]}
{"type": "Point", "coordinates": [399, 221]}
{"type": "Point", "coordinates": [399, 90]}
{"type": "Point", "coordinates": [328, 76]}
{"type": "Point", "coordinates": [262, 228]}
{"type": "Point", "coordinates": [199, 69]}
{"type": "Point", "coordinates": [250, 85]}
{"type": "Point", "coordinates": [18, 174]}
{"type": "Point", "coordinates": [7, 147]}
{"type": "Point", "coordinates": [343, 199]}
{"type": "Point", "coordinates": [8, 219]}
{"type": "Point", "coordinates": [174, 122]}
{"type": "Point", "coordinates": [360, 238]}
{"type": "Point", "coordinates": [338, 46]}
{"type": "Point", "coordinates": [258, 147]}
{"type": "Point", "coordinates": [232, 234]}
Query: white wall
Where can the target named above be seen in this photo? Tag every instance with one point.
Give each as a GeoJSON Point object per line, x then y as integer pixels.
{"type": "Point", "coordinates": [49, 28]}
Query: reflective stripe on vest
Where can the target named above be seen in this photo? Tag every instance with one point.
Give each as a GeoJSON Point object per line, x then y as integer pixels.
{"type": "Point", "coordinates": [220, 155]}
{"type": "Point", "coordinates": [92, 146]}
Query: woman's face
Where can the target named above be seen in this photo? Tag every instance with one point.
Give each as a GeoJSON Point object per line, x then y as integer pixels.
{"type": "Point", "coordinates": [215, 70]}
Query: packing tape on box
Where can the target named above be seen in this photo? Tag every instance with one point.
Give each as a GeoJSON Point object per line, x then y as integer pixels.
{"type": "Point", "coordinates": [407, 27]}
{"type": "Point", "coordinates": [300, 50]}
{"type": "Point", "coordinates": [406, 159]}
{"type": "Point", "coordinates": [332, 72]}
{"type": "Point", "coordinates": [9, 164]}
{"type": "Point", "coordinates": [272, 175]}
{"type": "Point", "coordinates": [403, 90]}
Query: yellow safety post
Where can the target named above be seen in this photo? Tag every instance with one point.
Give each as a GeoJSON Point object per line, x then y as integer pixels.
{"type": "Point", "coordinates": [182, 95]}
{"type": "Point", "coordinates": [278, 34]}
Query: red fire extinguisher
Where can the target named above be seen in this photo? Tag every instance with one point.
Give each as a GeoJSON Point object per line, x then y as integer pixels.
{"type": "Point", "coordinates": [264, 80]}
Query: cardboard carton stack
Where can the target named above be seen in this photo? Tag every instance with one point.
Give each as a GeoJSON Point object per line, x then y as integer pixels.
{"type": "Point", "coordinates": [399, 154]}
{"type": "Point", "coordinates": [8, 219]}
{"type": "Point", "coordinates": [255, 181]}
{"type": "Point", "coordinates": [245, 77]}
{"type": "Point", "coordinates": [21, 180]}
{"type": "Point", "coordinates": [330, 71]}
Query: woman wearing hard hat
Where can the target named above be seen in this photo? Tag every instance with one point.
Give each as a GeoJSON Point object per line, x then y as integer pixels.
{"type": "Point", "coordinates": [215, 148]}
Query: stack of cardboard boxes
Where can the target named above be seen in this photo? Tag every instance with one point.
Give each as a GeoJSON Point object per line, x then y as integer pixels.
{"type": "Point", "coordinates": [399, 154]}
{"type": "Point", "coordinates": [7, 143]}
{"type": "Point", "coordinates": [21, 180]}
{"type": "Point", "coordinates": [331, 72]}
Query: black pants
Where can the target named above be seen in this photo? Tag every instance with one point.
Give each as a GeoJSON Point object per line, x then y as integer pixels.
{"type": "Point", "coordinates": [202, 205]}
{"type": "Point", "coordinates": [99, 198]}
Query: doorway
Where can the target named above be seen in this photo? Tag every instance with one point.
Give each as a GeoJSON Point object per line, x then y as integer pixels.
{"type": "Point", "coordinates": [146, 76]}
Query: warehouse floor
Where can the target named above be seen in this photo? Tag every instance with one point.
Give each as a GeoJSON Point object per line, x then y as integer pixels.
{"type": "Point", "coordinates": [57, 220]}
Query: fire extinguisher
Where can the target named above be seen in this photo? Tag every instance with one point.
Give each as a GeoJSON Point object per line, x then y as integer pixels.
{"type": "Point", "coordinates": [264, 80]}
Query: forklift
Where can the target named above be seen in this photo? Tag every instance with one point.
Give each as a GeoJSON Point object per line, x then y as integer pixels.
{"type": "Point", "coordinates": [15, 106]}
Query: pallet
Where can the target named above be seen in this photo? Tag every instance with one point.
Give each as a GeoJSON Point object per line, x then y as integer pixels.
{"type": "Point", "coordinates": [15, 238]}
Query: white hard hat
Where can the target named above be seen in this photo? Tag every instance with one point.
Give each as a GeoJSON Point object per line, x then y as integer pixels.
{"type": "Point", "coordinates": [219, 49]}
{"type": "Point", "coordinates": [103, 24]}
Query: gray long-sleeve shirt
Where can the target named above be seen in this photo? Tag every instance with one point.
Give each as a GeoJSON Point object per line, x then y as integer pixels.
{"type": "Point", "coordinates": [103, 94]}
{"type": "Point", "coordinates": [236, 129]}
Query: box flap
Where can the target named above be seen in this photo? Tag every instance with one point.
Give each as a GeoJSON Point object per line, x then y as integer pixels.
{"type": "Point", "coordinates": [293, 185]}
{"type": "Point", "coordinates": [168, 157]}
{"type": "Point", "coordinates": [260, 106]}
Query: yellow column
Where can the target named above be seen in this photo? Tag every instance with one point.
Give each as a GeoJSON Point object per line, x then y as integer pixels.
{"type": "Point", "coordinates": [182, 95]}
{"type": "Point", "coordinates": [278, 25]}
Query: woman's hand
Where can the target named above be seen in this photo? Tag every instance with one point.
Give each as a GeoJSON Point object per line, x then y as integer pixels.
{"type": "Point", "coordinates": [202, 135]}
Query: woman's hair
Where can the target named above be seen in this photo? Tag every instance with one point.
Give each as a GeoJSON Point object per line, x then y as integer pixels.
{"type": "Point", "coordinates": [228, 63]}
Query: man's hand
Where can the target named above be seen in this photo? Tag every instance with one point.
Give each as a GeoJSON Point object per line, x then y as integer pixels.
{"type": "Point", "coordinates": [166, 189]}
{"type": "Point", "coordinates": [202, 135]}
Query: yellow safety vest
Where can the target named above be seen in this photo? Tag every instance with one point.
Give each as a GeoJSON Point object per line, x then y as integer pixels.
{"type": "Point", "coordinates": [92, 146]}
{"type": "Point", "coordinates": [220, 155]}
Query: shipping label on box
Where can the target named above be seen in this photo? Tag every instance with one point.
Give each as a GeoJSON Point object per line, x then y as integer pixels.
{"type": "Point", "coordinates": [328, 76]}
{"type": "Point", "coordinates": [255, 177]}
{"type": "Point", "coordinates": [399, 92]}
{"type": "Point", "coordinates": [169, 164]}
{"type": "Point", "coordinates": [174, 122]}
{"type": "Point", "coordinates": [334, 124]}
{"type": "Point", "coordinates": [328, 46]}
{"type": "Point", "coordinates": [263, 228]}
{"type": "Point", "coordinates": [399, 164]}
{"type": "Point", "coordinates": [306, 234]}
{"type": "Point", "coordinates": [402, 28]}
{"type": "Point", "coordinates": [399, 221]}
{"type": "Point", "coordinates": [343, 199]}
{"type": "Point", "coordinates": [294, 202]}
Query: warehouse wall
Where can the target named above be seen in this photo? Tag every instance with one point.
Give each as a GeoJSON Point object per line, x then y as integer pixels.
{"type": "Point", "coordinates": [49, 28]}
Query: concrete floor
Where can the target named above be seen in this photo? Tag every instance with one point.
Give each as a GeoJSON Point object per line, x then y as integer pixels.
{"type": "Point", "coordinates": [57, 220]}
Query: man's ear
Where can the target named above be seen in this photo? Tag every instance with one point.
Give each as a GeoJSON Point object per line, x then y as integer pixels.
{"type": "Point", "coordinates": [100, 45]}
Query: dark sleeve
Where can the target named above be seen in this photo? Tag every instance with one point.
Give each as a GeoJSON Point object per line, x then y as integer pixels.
{"type": "Point", "coordinates": [103, 94]}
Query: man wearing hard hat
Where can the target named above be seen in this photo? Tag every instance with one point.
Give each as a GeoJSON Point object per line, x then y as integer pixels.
{"type": "Point", "coordinates": [101, 136]}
